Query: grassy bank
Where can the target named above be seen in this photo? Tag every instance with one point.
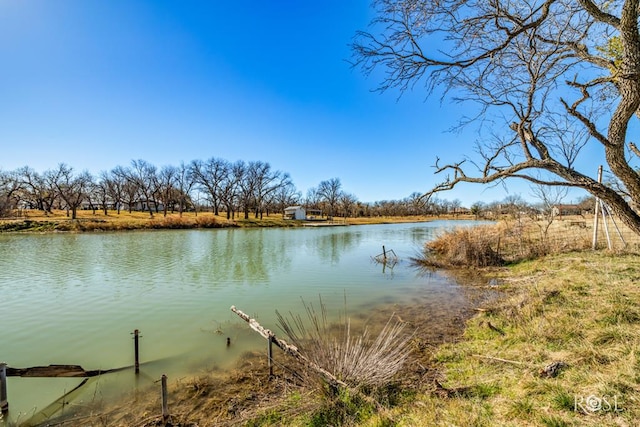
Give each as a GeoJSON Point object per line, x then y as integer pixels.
{"type": "Point", "coordinates": [36, 221]}
{"type": "Point", "coordinates": [561, 347]}
{"type": "Point", "coordinates": [580, 311]}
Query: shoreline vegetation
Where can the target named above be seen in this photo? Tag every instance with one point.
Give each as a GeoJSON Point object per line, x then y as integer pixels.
{"type": "Point", "coordinates": [86, 221]}
{"type": "Point", "coordinates": [553, 340]}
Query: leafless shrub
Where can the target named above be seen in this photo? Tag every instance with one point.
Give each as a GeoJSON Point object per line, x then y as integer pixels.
{"type": "Point", "coordinates": [360, 360]}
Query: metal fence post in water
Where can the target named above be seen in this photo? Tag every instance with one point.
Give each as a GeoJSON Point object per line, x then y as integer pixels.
{"type": "Point", "coordinates": [136, 334]}
{"type": "Point", "coordinates": [4, 402]}
{"type": "Point", "coordinates": [165, 404]}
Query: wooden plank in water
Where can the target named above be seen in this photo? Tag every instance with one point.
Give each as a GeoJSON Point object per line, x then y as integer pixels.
{"type": "Point", "coordinates": [51, 371]}
{"type": "Point", "coordinates": [48, 371]}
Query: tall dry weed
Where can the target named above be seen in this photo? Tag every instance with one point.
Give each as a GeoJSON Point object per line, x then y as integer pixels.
{"type": "Point", "coordinates": [358, 359]}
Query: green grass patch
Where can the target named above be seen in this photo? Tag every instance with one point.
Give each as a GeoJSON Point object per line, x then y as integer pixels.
{"type": "Point", "coordinates": [579, 308]}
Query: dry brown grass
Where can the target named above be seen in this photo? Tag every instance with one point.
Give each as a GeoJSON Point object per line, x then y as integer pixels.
{"type": "Point", "coordinates": [474, 247]}
{"type": "Point", "coordinates": [510, 241]}
{"type": "Point", "coordinates": [36, 221]}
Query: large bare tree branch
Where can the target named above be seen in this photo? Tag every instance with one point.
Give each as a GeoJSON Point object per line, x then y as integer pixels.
{"type": "Point", "coordinates": [546, 78]}
{"type": "Point", "coordinates": [599, 14]}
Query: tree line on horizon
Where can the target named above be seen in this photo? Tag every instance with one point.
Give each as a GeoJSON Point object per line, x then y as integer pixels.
{"type": "Point", "coordinates": [215, 184]}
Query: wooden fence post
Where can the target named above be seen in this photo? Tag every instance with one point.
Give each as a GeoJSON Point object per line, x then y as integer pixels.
{"type": "Point", "coordinates": [165, 404]}
{"type": "Point", "coordinates": [136, 334]}
{"type": "Point", "coordinates": [4, 401]}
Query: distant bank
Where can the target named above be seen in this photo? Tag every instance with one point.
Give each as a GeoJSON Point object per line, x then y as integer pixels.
{"type": "Point", "coordinates": [87, 221]}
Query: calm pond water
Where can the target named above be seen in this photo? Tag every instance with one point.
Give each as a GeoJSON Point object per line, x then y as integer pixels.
{"type": "Point", "coordinates": [76, 298]}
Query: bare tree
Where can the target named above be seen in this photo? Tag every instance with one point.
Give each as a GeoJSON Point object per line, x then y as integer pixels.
{"type": "Point", "coordinates": [127, 186]}
{"type": "Point", "coordinates": [267, 183]}
{"type": "Point", "coordinates": [184, 184]}
{"type": "Point", "coordinates": [312, 199]}
{"type": "Point", "coordinates": [142, 175]}
{"type": "Point", "coordinates": [209, 176]}
{"type": "Point", "coordinates": [166, 186]}
{"type": "Point", "coordinates": [115, 182]}
{"type": "Point", "coordinates": [455, 206]}
{"type": "Point", "coordinates": [437, 206]}
{"type": "Point", "coordinates": [263, 178]}
{"type": "Point", "coordinates": [363, 209]}
{"type": "Point", "coordinates": [329, 191]}
{"type": "Point", "coordinates": [515, 206]}
{"type": "Point", "coordinates": [286, 195]}
{"type": "Point", "coordinates": [550, 198]}
{"type": "Point", "coordinates": [230, 187]}
{"type": "Point", "coordinates": [587, 203]}
{"type": "Point", "coordinates": [247, 187]}
{"type": "Point", "coordinates": [141, 186]}
{"type": "Point", "coordinates": [38, 191]}
{"type": "Point", "coordinates": [348, 204]}
{"type": "Point", "coordinates": [477, 209]}
{"type": "Point", "coordinates": [416, 203]}
{"type": "Point", "coordinates": [10, 189]}
{"type": "Point", "coordinates": [99, 194]}
{"type": "Point", "coordinates": [73, 190]}
{"type": "Point", "coordinates": [549, 77]}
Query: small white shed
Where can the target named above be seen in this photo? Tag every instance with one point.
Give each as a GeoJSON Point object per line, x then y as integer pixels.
{"type": "Point", "coordinates": [295, 212]}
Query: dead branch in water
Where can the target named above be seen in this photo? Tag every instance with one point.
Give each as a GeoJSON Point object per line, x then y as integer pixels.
{"type": "Point", "coordinates": [289, 349]}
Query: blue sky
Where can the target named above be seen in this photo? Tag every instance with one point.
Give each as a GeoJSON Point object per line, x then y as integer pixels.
{"type": "Point", "coordinates": [95, 84]}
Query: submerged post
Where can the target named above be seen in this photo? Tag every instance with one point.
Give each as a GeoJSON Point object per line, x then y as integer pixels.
{"type": "Point", "coordinates": [136, 334]}
{"type": "Point", "coordinates": [165, 404]}
{"type": "Point", "coordinates": [4, 402]}
{"type": "Point", "coordinates": [270, 353]}
{"type": "Point", "coordinates": [384, 253]}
